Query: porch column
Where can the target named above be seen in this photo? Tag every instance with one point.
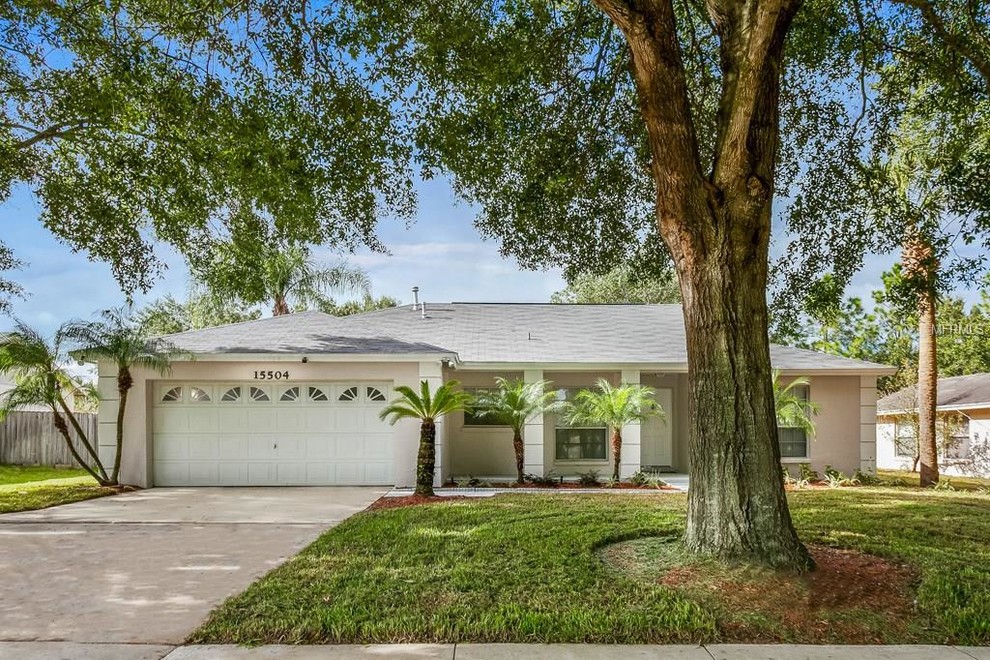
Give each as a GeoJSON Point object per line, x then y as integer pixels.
{"type": "Point", "coordinates": [533, 434]}
{"type": "Point", "coordinates": [432, 373]}
{"type": "Point", "coordinates": [868, 424]}
{"type": "Point", "coordinates": [631, 437]}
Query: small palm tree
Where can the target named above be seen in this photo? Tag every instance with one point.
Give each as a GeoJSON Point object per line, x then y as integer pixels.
{"type": "Point", "coordinates": [119, 338]}
{"type": "Point", "coordinates": [516, 402]}
{"type": "Point", "coordinates": [613, 407]}
{"type": "Point", "coordinates": [291, 275]}
{"type": "Point", "coordinates": [427, 408]}
{"type": "Point", "coordinates": [40, 379]}
{"type": "Point", "coordinates": [793, 410]}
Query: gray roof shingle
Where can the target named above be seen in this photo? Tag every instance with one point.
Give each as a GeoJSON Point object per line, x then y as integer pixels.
{"type": "Point", "coordinates": [953, 392]}
{"type": "Point", "coordinates": [490, 333]}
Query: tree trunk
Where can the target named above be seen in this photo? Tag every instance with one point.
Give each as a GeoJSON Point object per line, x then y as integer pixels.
{"type": "Point", "coordinates": [63, 430]}
{"type": "Point", "coordinates": [86, 443]}
{"type": "Point", "coordinates": [715, 220]}
{"type": "Point", "coordinates": [281, 307]}
{"type": "Point", "coordinates": [519, 448]}
{"type": "Point", "coordinates": [124, 384]}
{"type": "Point", "coordinates": [426, 462]}
{"type": "Point", "coordinates": [927, 389]}
{"type": "Point", "coordinates": [737, 508]}
{"type": "Point", "coordinates": [616, 452]}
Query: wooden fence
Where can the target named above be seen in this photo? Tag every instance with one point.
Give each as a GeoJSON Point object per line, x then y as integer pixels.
{"type": "Point", "coordinates": [30, 438]}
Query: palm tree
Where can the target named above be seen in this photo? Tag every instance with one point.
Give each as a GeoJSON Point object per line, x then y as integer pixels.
{"type": "Point", "coordinates": [118, 338]}
{"type": "Point", "coordinates": [427, 408]}
{"type": "Point", "coordinates": [40, 379]}
{"type": "Point", "coordinates": [291, 275]}
{"type": "Point", "coordinates": [516, 402]}
{"type": "Point", "coordinates": [793, 410]}
{"type": "Point", "coordinates": [613, 407]}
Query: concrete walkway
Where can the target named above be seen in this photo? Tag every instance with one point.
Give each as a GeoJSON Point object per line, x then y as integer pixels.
{"type": "Point", "coordinates": [148, 567]}
{"type": "Point", "coordinates": [58, 651]}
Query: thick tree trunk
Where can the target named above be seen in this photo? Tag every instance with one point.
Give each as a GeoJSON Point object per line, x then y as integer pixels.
{"type": "Point", "coordinates": [519, 448]}
{"type": "Point", "coordinates": [927, 389]}
{"type": "Point", "coordinates": [737, 508]}
{"type": "Point", "coordinates": [616, 452]}
{"type": "Point", "coordinates": [715, 220]}
{"type": "Point", "coordinates": [124, 384]}
{"type": "Point", "coordinates": [426, 462]}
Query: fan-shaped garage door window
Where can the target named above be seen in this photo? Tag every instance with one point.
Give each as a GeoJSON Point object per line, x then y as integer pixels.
{"type": "Point", "coordinates": [172, 395]}
{"type": "Point", "coordinates": [375, 394]}
{"type": "Point", "coordinates": [232, 395]}
{"type": "Point", "coordinates": [318, 394]}
{"type": "Point", "coordinates": [350, 394]}
{"type": "Point", "coordinates": [199, 395]}
{"type": "Point", "coordinates": [290, 394]}
{"type": "Point", "coordinates": [258, 394]}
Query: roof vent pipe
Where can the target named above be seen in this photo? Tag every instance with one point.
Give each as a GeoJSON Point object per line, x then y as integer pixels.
{"type": "Point", "coordinates": [422, 306]}
{"type": "Point", "coordinates": [415, 298]}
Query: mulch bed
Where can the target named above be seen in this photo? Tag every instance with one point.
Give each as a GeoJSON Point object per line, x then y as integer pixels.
{"type": "Point", "coordinates": [567, 485]}
{"type": "Point", "coordinates": [817, 606]}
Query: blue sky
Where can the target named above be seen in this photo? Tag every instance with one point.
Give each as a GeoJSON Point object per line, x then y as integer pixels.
{"type": "Point", "coordinates": [441, 253]}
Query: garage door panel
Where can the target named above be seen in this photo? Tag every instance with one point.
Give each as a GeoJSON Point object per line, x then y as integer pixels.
{"type": "Point", "coordinates": [203, 447]}
{"type": "Point", "coordinates": [301, 439]}
{"type": "Point", "coordinates": [289, 420]}
{"type": "Point", "coordinates": [173, 420]}
{"type": "Point", "coordinates": [232, 420]}
{"type": "Point", "coordinates": [261, 447]}
{"type": "Point", "coordinates": [233, 474]}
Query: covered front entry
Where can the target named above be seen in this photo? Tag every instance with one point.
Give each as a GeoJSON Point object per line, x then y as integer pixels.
{"type": "Point", "coordinates": [271, 433]}
{"type": "Point", "coordinates": [656, 434]}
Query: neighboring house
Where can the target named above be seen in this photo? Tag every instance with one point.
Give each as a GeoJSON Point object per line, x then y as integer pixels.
{"type": "Point", "coordinates": [295, 399]}
{"type": "Point", "coordinates": [963, 424]}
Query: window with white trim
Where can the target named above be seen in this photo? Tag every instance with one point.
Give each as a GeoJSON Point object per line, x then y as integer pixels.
{"type": "Point", "coordinates": [905, 439]}
{"type": "Point", "coordinates": [793, 440]}
{"type": "Point", "coordinates": [172, 395]}
{"type": "Point", "coordinates": [199, 395]}
{"type": "Point", "coordinates": [578, 443]}
{"type": "Point", "coordinates": [473, 418]}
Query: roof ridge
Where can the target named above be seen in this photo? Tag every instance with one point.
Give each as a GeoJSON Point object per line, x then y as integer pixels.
{"type": "Point", "coordinates": [258, 320]}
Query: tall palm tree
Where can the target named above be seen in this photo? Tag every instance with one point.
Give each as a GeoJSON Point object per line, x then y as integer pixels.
{"type": "Point", "coordinates": [117, 337]}
{"type": "Point", "coordinates": [613, 407]}
{"type": "Point", "coordinates": [793, 410]}
{"type": "Point", "coordinates": [291, 275]}
{"type": "Point", "coordinates": [516, 402]}
{"type": "Point", "coordinates": [427, 408]}
{"type": "Point", "coordinates": [40, 379]}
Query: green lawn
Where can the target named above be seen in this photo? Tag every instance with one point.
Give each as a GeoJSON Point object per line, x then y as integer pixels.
{"type": "Point", "coordinates": [906, 477]}
{"type": "Point", "coordinates": [518, 568]}
{"type": "Point", "coordinates": [25, 488]}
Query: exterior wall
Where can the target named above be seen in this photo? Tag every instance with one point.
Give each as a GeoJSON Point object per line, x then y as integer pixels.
{"type": "Point", "coordinates": [136, 465]}
{"type": "Point", "coordinates": [845, 435]}
{"type": "Point", "coordinates": [483, 451]}
{"type": "Point", "coordinates": [562, 379]}
{"type": "Point", "coordinates": [978, 463]}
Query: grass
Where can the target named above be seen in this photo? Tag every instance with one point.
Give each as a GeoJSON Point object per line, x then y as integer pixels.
{"type": "Point", "coordinates": [908, 478]}
{"type": "Point", "coordinates": [26, 488]}
{"type": "Point", "coordinates": [519, 568]}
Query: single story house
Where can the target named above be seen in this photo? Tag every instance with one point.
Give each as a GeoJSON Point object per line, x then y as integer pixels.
{"type": "Point", "coordinates": [294, 400]}
{"type": "Point", "coordinates": [963, 426]}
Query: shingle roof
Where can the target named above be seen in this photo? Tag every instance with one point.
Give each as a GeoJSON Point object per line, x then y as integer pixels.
{"type": "Point", "coordinates": [491, 333]}
{"type": "Point", "coordinates": [953, 392]}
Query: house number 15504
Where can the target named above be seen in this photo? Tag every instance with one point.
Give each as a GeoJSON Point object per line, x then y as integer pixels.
{"type": "Point", "coordinates": [271, 375]}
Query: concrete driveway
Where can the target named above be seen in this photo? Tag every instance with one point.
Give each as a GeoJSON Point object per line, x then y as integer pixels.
{"type": "Point", "coordinates": [148, 566]}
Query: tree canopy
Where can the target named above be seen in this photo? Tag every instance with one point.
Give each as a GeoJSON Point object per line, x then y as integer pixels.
{"type": "Point", "coordinates": [622, 284]}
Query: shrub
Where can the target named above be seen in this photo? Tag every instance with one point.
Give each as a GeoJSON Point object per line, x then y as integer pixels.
{"type": "Point", "coordinates": [944, 485]}
{"type": "Point", "coordinates": [589, 479]}
{"type": "Point", "coordinates": [612, 483]}
{"type": "Point", "coordinates": [786, 477]}
{"type": "Point", "coordinates": [809, 475]}
{"type": "Point", "coordinates": [548, 480]}
{"type": "Point", "coordinates": [866, 478]}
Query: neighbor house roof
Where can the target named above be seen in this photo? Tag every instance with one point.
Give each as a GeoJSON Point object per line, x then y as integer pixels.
{"type": "Point", "coordinates": [971, 391]}
{"type": "Point", "coordinates": [491, 333]}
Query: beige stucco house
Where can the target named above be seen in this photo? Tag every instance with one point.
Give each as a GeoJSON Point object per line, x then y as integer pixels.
{"type": "Point", "coordinates": [294, 400]}
{"type": "Point", "coordinates": [963, 425]}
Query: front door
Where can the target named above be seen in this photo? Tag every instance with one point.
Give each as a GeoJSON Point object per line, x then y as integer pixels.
{"type": "Point", "coordinates": [656, 437]}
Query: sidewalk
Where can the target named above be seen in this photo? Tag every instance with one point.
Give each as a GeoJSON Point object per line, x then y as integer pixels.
{"type": "Point", "coordinates": [75, 651]}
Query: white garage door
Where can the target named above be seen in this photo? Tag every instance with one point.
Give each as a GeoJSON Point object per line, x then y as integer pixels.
{"type": "Point", "coordinates": [277, 434]}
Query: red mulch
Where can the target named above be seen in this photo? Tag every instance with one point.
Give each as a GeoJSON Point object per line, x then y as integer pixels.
{"type": "Point", "coordinates": [567, 485]}
{"type": "Point", "coordinates": [410, 500]}
{"type": "Point", "coordinates": [815, 607]}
